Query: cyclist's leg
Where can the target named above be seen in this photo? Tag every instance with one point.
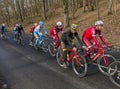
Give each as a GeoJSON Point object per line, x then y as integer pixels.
{"type": "Point", "coordinates": [64, 48]}
{"type": "Point", "coordinates": [32, 39]}
{"type": "Point", "coordinates": [57, 41]}
{"type": "Point", "coordinates": [2, 32]}
{"type": "Point", "coordinates": [36, 39]}
{"type": "Point", "coordinates": [41, 40]}
{"type": "Point", "coordinates": [89, 45]}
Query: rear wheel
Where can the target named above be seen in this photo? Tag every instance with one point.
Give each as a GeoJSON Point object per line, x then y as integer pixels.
{"type": "Point", "coordinates": [104, 61]}
{"type": "Point", "coordinates": [114, 73]}
{"type": "Point", "coordinates": [79, 65]}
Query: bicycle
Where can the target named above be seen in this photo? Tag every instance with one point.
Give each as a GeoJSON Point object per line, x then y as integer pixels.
{"type": "Point", "coordinates": [4, 36]}
{"type": "Point", "coordinates": [101, 59]}
{"type": "Point", "coordinates": [79, 64]}
{"type": "Point", "coordinates": [19, 39]}
{"type": "Point", "coordinates": [53, 48]}
{"type": "Point", "coordinates": [114, 73]}
{"type": "Point", "coordinates": [43, 44]}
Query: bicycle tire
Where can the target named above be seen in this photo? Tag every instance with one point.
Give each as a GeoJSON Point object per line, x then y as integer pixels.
{"type": "Point", "coordinates": [80, 67]}
{"type": "Point", "coordinates": [44, 47]}
{"type": "Point", "coordinates": [51, 49]}
{"type": "Point", "coordinates": [101, 63]}
{"type": "Point", "coordinates": [115, 76]}
{"type": "Point", "coordinates": [59, 57]}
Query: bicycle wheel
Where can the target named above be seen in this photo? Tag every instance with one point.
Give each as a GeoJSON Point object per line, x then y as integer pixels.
{"type": "Point", "coordinates": [44, 47]}
{"type": "Point", "coordinates": [114, 73]}
{"type": "Point", "coordinates": [104, 61]}
{"type": "Point", "coordinates": [4, 37]}
{"type": "Point", "coordinates": [51, 49]}
{"type": "Point", "coordinates": [79, 66]}
{"type": "Point", "coordinates": [59, 57]}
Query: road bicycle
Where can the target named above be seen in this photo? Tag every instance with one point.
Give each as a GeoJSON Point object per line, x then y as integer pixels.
{"type": "Point", "coordinates": [79, 63]}
{"type": "Point", "coordinates": [43, 43]}
{"type": "Point", "coordinates": [100, 58]}
{"type": "Point", "coordinates": [19, 39]}
{"type": "Point", "coordinates": [4, 36]}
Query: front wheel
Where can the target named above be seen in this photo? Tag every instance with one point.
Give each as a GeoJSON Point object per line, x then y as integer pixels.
{"type": "Point", "coordinates": [104, 61]}
{"type": "Point", "coordinates": [79, 65]}
{"type": "Point", "coordinates": [51, 49]}
{"type": "Point", "coordinates": [60, 58]}
{"type": "Point", "coordinates": [114, 73]}
{"type": "Point", "coordinates": [44, 47]}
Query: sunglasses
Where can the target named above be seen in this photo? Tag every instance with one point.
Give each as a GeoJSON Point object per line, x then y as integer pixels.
{"type": "Point", "coordinates": [101, 25]}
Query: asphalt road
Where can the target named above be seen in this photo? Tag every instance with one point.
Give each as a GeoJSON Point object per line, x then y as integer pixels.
{"type": "Point", "coordinates": [26, 68]}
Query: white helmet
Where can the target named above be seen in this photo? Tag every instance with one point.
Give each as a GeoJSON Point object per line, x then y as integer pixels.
{"type": "Point", "coordinates": [35, 24]}
{"type": "Point", "coordinates": [17, 25]}
{"type": "Point", "coordinates": [59, 23]}
{"type": "Point", "coordinates": [3, 24]}
{"type": "Point", "coordinates": [98, 23]}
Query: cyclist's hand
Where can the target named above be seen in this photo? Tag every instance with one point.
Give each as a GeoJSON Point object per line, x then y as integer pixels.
{"type": "Point", "coordinates": [47, 35]}
{"type": "Point", "coordinates": [74, 49]}
{"type": "Point", "coordinates": [85, 47]}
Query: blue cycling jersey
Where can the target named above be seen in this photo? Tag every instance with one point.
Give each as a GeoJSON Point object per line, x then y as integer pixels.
{"type": "Point", "coordinates": [38, 30]}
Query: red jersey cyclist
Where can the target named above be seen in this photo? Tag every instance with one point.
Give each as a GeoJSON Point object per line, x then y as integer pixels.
{"type": "Point", "coordinates": [54, 32]}
{"type": "Point", "coordinates": [89, 37]}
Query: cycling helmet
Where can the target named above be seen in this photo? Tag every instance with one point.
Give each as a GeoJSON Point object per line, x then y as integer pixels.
{"type": "Point", "coordinates": [99, 23]}
{"type": "Point", "coordinates": [3, 24]}
{"type": "Point", "coordinates": [41, 23]}
{"type": "Point", "coordinates": [17, 25]}
{"type": "Point", "coordinates": [74, 26]}
{"type": "Point", "coordinates": [35, 24]}
{"type": "Point", "coordinates": [59, 23]}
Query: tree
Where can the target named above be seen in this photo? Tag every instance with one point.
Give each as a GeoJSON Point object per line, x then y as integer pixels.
{"type": "Point", "coordinates": [66, 13]}
{"type": "Point", "coordinates": [98, 12]}
{"type": "Point", "coordinates": [44, 10]}
{"type": "Point", "coordinates": [110, 7]}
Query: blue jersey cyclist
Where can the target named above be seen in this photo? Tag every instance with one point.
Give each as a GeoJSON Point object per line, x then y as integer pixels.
{"type": "Point", "coordinates": [38, 34]}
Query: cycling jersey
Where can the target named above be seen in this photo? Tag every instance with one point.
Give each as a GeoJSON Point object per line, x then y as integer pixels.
{"type": "Point", "coordinates": [54, 34]}
{"type": "Point", "coordinates": [67, 38]}
{"type": "Point", "coordinates": [54, 31]}
{"type": "Point", "coordinates": [37, 31]}
{"type": "Point", "coordinates": [19, 29]}
{"type": "Point", "coordinates": [2, 29]}
{"type": "Point", "coordinates": [38, 34]}
{"type": "Point", "coordinates": [89, 37]}
{"type": "Point", "coordinates": [31, 30]}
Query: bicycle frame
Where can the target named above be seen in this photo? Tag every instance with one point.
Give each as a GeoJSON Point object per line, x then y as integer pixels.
{"type": "Point", "coordinates": [99, 53]}
{"type": "Point", "coordinates": [74, 54]}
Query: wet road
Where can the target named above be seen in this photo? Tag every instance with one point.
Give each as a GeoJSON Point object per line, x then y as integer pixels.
{"type": "Point", "coordinates": [26, 68]}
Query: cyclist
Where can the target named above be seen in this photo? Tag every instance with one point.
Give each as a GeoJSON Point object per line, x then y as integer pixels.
{"type": "Point", "coordinates": [38, 34]}
{"type": "Point", "coordinates": [2, 29]}
{"type": "Point", "coordinates": [89, 37]}
{"type": "Point", "coordinates": [31, 30]}
{"type": "Point", "coordinates": [18, 30]}
{"type": "Point", "coordinates": [67, 41]}
{"type": "Point", "coordinates": [54, 32]}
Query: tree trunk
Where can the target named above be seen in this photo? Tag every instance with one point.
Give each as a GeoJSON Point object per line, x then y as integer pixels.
{"type": "Point", "coordinates": [44, 10]}
{"type": "Point", "coordinates": [98, 10]}
{"type": "Point", "coordinates": [110, 7]}
{"type": "Point", "coordinates": [66, 13]}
